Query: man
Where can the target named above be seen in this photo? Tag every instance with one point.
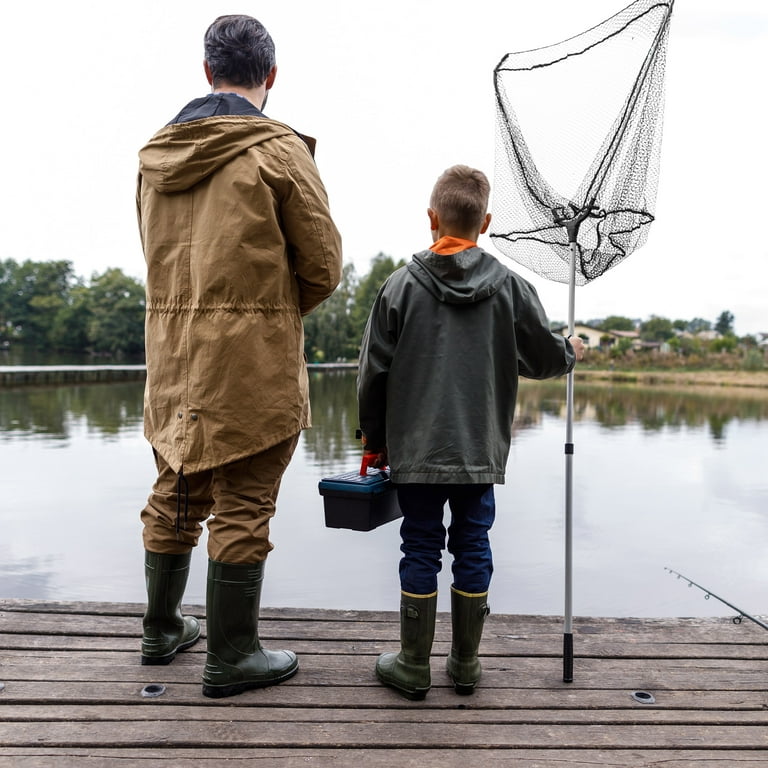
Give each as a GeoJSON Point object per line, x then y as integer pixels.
{"type": "Point", "coordinates": [239, 244]}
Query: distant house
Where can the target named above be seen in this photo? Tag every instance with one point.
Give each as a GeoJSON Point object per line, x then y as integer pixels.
{"type": "Point", "coordinates": [708, 335]}
{"type": "Point", "coordinates": [597, 338]}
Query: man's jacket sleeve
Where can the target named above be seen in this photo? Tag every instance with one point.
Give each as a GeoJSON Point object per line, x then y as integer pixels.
{"type": "Point", "coordinates": [313, 239]}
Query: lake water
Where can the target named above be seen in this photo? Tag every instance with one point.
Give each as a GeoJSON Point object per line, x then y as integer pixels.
{"type": "Point", "coordinates": [661, 478]}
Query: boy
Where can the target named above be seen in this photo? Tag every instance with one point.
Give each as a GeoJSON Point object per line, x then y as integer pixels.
{"type": "Point", "coordinates": [447, 338]}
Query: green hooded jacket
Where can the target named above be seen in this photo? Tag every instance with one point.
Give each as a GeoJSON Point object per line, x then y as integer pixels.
{"type": "Point", "coordinates": [446, 341]}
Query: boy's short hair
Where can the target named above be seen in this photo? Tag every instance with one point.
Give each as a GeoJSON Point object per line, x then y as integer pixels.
{"type": "Point", "coordinates": [460, 197]}
{"type": "Point", "coordinates": [239, 51]}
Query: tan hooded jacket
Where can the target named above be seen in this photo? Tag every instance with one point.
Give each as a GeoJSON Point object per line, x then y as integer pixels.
{"type": "Point", "coordinates": [239, 243]}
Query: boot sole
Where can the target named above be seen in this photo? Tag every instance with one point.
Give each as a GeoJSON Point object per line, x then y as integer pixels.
{"type": "Point", "coordinates": [412, 694]}
{"type": "Point", "coordinates": [222, 691]}
{"type": "Point", "coordinates": [463, 689]}
{"type": "Point", "coordinates": [156, 661]}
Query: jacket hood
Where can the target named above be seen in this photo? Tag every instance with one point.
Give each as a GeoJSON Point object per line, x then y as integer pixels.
{"type": "Point", "coordinates": [204, 136]}
{"type": "Point", "coordinates": [459, 278]}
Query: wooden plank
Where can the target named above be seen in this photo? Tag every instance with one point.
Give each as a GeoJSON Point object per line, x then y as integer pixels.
{"type": "Point", "coordinates": [383, 734]}
{"type": "Point", "coordinates": [490, 646]}
{"type": "Point", "coordinates": [629, 633]}
{"type": "Point", "coordinates": [377, 758]}
{"type": "Point", "coordinates": [373, 696]}
{"type": "Point", "coordinates": [352, 634]}
{"type": "Point", "coordinates": [39, 714]}
{"type": "Point", "coordinates": [357, 669]}
{"type": "Point", "coordinates": [634, 630]}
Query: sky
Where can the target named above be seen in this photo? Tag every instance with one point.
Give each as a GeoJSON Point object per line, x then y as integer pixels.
{"type": "Point", "coordinates": [394, 92]}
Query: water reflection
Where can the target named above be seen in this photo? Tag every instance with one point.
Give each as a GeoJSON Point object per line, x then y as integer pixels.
{"type": "Point", "coordinates": [51, 411]}
{"type": "Point", "coordinates": [109, 409]}
{"type": "Point", "coordinates": [663, 478]}
{"type": "Point", "coordinates": [334, 418]}
{"type": "Point", "coordinates": [618, 406]}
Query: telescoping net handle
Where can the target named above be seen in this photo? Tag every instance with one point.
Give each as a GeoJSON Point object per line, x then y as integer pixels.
{"type": "Point", "coordinates": [577, 122]}
{"type": "Point", "coordinates": [578, 145]}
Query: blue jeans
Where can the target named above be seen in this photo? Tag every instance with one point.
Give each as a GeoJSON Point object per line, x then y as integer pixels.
{"type": "Point", "coordinates": [473, 509]}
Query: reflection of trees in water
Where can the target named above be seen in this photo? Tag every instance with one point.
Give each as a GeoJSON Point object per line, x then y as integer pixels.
{"type": "Point", "coordinates": [618, 406]}
{"type": "Point", "coordinates": [334, 417]}
{"type": "Point", "coordinates": [51, 411]}
{"type": "Point", "coordinates": [110, 408]}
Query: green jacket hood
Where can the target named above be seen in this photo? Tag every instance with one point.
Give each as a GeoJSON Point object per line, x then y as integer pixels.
{"type": "Point", "coordinates": [182, 155]}
{"type": "Point", "coordinates": [459, 278]}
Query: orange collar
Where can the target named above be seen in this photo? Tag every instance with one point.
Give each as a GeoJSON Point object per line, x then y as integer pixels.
{"type": "Point", "coordinates": [447, 245]}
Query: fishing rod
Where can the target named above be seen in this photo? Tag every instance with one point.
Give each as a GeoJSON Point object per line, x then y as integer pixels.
{"type": "Point", "coordinates": [709, 593]}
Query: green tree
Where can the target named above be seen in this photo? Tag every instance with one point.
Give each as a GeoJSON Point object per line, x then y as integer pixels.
{"type": "Point", "coordinates": [620, 348]}
{"type": "Point", "coordinates": [69, 331]}
{"type": "Point", "coordinates": [116, 304]}
{"type": "Point", "coordinates": [656, 329]}
{"type": "Point", "coordinates": [328, 333]}
{"type": "Point", "coordinates": [691, 345]}
{"type": "Point", "coordinates": [724, 323]}
{"type": "Point", "coordinates": [617, 323]}
{"type": "Point", "coordinates": [31, 295]}
{"type": "Point", "coordinates": [382, 266]}
{"type": "Point", "coordinates": [727, 343]}
{"type": "Point", "coordinates": [698, 324]}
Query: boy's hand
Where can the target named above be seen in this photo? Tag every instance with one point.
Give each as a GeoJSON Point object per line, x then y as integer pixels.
{"type": "Point", "coordinates": [375, 459]}
{"type": "Point", "coordinates": [578, 347]}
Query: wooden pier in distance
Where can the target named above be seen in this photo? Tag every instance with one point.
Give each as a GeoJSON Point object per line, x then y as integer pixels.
{"type": "Point", "coordinates": [71, 690]}
{"type": "Point", "coordinates": [53, 375]}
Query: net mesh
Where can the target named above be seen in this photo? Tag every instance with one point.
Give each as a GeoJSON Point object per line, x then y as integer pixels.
{"type": "Point", "coordinates": [578, 135]}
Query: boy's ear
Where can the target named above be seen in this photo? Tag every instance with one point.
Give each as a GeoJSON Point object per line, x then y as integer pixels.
{"type": "Point", "coordinates": [486, 223]}
{"type": "Point", "coordinates": [433, 220]}
{"type": "Point", "coordinates": [208, 75]}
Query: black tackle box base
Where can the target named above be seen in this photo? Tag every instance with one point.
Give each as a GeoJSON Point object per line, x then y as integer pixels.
{"type": "Point", "coordinates": [359, 502]}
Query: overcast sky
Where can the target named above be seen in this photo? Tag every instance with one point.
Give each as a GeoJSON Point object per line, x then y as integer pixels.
{"type": "Point", "coordinates": [395, 92]}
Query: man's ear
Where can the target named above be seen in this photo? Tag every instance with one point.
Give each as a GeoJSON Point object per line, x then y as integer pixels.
{"type": "Point", "coordinates": [208, 75]}
{"type": "Point", "coordinates": [434, 223]}
{"type": "Point", "coordinates": [486, 223]}
{"type": "Point", "coordinates": [270, 81]}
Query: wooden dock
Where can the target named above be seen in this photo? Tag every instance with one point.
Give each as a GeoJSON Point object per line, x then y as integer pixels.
{"type": "Point", "coordinates": [71, 695]}
{"type": "Point", "coordinates": [49, 375]}
{"type": "Point", "coordinates": [53, 375]}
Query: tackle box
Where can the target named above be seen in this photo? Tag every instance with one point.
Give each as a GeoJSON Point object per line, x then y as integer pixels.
{"type": "Point", "coordinates": [359, 502]}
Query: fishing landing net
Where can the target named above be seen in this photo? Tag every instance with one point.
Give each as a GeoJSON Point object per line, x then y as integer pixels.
{"type": "Point", "coordinates": [578, 140]}
{"type": "Point", "coordinates": [578, 144]}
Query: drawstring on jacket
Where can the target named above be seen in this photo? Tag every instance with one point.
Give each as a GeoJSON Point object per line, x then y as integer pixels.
{"type": "Point", "coordinates": [181, 481]}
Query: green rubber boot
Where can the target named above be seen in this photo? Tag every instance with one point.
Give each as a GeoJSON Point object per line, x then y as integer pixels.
{"type": "Point", "coordinates": [468, 612]}
{"type": "Point", "coordinates": [236, 662]}
{"type": "Point", "coordinates": [166, 631]}
{"type": "Point", "coordinates": [408, 671]}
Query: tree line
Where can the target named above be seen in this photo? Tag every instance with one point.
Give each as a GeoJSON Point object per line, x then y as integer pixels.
{"type": "Point", "coordinates": [45, 306]}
